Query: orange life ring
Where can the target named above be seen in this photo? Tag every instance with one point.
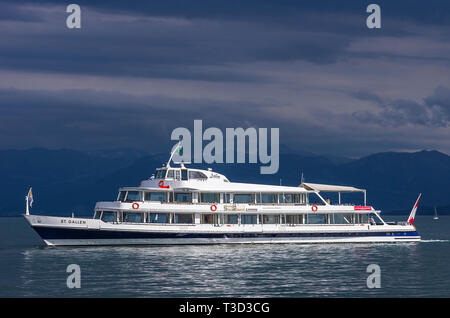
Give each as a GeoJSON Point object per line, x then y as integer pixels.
{"type": "Point", "coordinates": [314, 208]}
{"type": "Point", "coordinates": [135, 205]}
{"type": "Point", "coordinates": [213, 208]}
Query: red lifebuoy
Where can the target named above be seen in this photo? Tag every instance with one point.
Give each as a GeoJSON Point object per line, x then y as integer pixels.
{"type": "Point", "coordinates": [161, 185]}
{"type": "Point", "coordinates": [213, 208]}
{"type": "Point", "coordinates": [314, 208]}
{"type": "Point", "coordinates": [135, 205]}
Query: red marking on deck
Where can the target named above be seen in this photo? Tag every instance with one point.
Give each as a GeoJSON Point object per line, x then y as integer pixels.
{"type": "Point", "coordinates": [362, 208]}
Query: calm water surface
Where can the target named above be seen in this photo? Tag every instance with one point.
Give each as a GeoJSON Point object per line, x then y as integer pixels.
{"type": "Point", "coordinates": [28, 269]}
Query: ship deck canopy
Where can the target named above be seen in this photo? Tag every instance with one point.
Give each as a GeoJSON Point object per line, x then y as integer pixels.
{"type": "Point", "coordinates": [332, 188]}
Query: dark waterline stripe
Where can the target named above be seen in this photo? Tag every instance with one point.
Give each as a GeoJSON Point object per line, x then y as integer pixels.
{"type": "Point", "coordinates": [64, 233]}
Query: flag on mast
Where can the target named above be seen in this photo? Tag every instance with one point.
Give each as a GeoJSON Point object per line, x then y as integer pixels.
{"type": "Point", "coordinates": [30, 197]}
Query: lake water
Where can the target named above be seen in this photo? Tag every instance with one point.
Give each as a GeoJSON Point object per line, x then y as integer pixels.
{"type": "Point", "coordinates": [422, 269]}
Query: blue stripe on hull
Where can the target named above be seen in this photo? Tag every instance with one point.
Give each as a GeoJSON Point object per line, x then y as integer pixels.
{"type": "Point", "coordinates": [52, 233]}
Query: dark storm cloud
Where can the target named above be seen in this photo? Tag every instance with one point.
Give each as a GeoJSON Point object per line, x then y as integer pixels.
{"type": "Point", "coordinates": [202, 49]}
{"type": "Point", "coordinates": [302, 59]}
{"type": "Point", "coordinates": [78, 118]}
{"type": "Point", "coordinates": [267, 11]}
{"type": "Point", "coordinates": [208, 38]}
{"type": "Point", "coordinates": [434, 111]}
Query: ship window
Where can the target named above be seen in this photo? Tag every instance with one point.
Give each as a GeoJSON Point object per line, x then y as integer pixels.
{"type": "Point", "coordinates": [249, 219]}
{"type": "Point", "coordinates": [243, 198]}
{"type": "Point", "coordinates": [108, 216]}
{"type": "Point", "coordinates": [287, 198]}
{"type": "Point", "coordinates": [207, 219]}
{"type": "Point", "coordinates": [184, 174]}
{"type": "Point", "coordinates": [170, 174]}
{"type": "Point", "coordinates": [155, 196]}
{"type": "Point", "coordinates": [363, 218]}
{"type": "Point", "coordinates": [316, 219]}
{"type": "Point", "coordinates": [184, 218]}
{"type": "Point", "coordinates": [226, 198]}
{"type": "Point", "coordinates": [97, 214]}
{"type": "Point", "coordinates": [158, 218]}
{"type": "Point", "coordinates": [183, 197]}
{"type": "Point", "coordinates": [346, 218]}
{"type": "Point", "coordinates": [294, 219]}
{"type": "Point", "coordinates": [269, 198]}
{"type": "Point", "coordinates": [197, 175]}
{"type": "Point", "coordinates": [133, 217]}
{"type": "Point", "coordinates": [133, 196]}
{"type": "Point", "coordinates": [231, 219]}
{"type": "Point", "coordinates": [271, 219]}
{"type": "Point", "coordinates": [122, 195]}
{"type": "Point", "coordinates": [210, 197]}
{"type": "Point", "coordinates": [375, 219]}
{"type": "Point", "coordinates": [160, 174]}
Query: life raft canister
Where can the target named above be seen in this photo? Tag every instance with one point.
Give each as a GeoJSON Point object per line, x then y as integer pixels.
{"type": "Point", "coordinates": [314, 208]}
{"type": "Point", "coordinates": [135, 205]}
{"type": "Point", "coordinates": [213, 208]}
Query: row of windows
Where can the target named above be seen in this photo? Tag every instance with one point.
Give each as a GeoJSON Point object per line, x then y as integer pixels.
{"type": "Point", "coordinates": [178, 174]}
{"type": "Point", "coordinates": [179, 218]}
{"type": "Point", "coordinates": [213, 197]}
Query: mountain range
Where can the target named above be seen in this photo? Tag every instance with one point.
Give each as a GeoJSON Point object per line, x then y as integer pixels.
{"type": "Point", "coordinates": [66, 181]}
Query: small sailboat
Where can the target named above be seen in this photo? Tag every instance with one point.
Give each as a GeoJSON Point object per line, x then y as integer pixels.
{"type": "Point", "coordinates": [435, 214]}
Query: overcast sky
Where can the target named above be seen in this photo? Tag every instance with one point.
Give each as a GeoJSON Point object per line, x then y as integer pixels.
{"type": "Point", "coordinates": [135, 71]}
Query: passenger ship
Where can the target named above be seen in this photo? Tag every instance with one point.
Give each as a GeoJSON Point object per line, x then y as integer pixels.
{"type": "Point", "coordinates": [180, 205]}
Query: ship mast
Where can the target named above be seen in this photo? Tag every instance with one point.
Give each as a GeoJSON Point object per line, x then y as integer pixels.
{"type": "Point", "coordinates": [174, 149]}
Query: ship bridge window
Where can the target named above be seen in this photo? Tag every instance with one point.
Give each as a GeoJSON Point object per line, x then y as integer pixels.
{"type": "Point", "coordinates": [244, 198]}
{"type": "Point", "coordinates": [155, 196]}
{"type": "Point", "coordinates": [183, 197]}
{"type": "Point", "coordinates": [170, 174]}
{"type": "Point", "coordinates": [197, 175]}
{"type": "Point", "coordinates": [210, 197]}
{"type": "Point", "coordinates": [122, 195]}
{"type": "Point", "coordinates": [133, 217]}
{"type": "Point", "coordinates": [108, 216]}
{"type": "Point", "coordinates": [161, 173]}
{"type": "Point", "coordinates": [184, 174]}
{"type": "Point", "coordinates": [133, 196]}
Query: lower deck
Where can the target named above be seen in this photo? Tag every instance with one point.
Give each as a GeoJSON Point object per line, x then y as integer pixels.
{"type": "Point", "coordinates": [77, 231]}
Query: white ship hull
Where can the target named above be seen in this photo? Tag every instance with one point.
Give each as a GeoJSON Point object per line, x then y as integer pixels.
{"type": "Point", "coordinates": [60, 231]}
